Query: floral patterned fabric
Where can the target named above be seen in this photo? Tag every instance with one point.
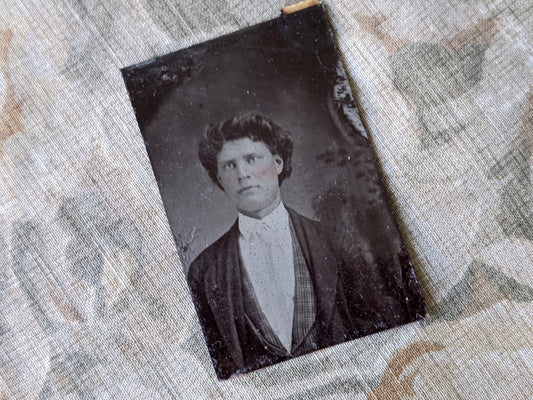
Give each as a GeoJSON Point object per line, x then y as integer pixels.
{"type": "Point", "coordinates": [93, 300]}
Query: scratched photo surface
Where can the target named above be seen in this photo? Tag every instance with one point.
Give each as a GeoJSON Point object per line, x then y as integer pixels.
{"type": "Point", "coordinates": [272, 193]}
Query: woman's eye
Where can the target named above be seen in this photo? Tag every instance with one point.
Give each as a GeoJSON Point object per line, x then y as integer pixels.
{"type": "Point", "coordinates": [229, 166]}
{"type": "Point", "coordinates": [252, 159]}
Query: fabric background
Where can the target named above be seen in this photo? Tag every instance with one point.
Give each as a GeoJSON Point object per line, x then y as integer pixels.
{"type": "Point", "coordinates": [93, 300]}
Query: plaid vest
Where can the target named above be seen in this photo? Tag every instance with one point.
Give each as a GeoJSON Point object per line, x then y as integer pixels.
{"type": "Point", "coordinates": [303, 329]}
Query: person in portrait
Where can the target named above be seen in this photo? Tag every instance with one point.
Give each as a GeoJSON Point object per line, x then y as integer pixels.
{"type": "Point", "coordinates": [275, 286]}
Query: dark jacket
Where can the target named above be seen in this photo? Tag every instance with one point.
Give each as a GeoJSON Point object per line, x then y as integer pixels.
{"type": "Point", "coordinates": [345, 307]}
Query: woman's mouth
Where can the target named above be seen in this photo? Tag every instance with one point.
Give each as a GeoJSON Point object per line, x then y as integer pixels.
{"type": "Point", "coordinates": [247, 189]}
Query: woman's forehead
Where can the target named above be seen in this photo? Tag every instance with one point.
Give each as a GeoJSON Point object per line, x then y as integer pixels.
{"type": "Point", "coordinates": [242, 147]}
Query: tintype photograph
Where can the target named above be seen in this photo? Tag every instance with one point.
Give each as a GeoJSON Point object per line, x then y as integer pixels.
{"type": "Point", "coordinates": [273, 194]}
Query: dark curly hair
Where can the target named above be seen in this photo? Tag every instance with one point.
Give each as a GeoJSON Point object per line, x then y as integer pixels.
{"type": "Point", "coordinates": [250, 125]}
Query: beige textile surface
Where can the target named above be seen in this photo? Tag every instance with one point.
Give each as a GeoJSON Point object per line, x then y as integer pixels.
{"type": "Point", "coordinates": [93, 303]}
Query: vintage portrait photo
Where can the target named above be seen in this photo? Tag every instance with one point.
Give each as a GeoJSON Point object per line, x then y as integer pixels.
{"type": "Point", "coordinates": [273, 194]}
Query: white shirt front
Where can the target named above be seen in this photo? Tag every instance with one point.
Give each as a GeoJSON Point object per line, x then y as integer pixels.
{"type": "Point", "coordinates": [267, 254]}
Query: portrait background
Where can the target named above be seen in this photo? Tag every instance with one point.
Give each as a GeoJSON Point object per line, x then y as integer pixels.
{"type": "Point", "coordinates": [290, 72]}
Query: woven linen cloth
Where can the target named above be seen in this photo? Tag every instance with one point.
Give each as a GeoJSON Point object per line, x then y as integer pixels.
{"type": "Point", "coordinates": [93, 300]}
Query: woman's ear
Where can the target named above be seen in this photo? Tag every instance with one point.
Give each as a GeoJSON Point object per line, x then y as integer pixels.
{"type": "Point", "coordinates": [279, 163]}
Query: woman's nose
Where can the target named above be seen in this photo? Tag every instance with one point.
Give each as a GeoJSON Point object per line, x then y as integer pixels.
{"type": "Point", "coordinates": [243, 171]}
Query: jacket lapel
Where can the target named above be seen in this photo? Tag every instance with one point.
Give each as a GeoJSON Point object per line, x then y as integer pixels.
{"type": "Point", "coordinates": [223, 286]}
{"type": "Point", "coordinates": [322, 267]}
